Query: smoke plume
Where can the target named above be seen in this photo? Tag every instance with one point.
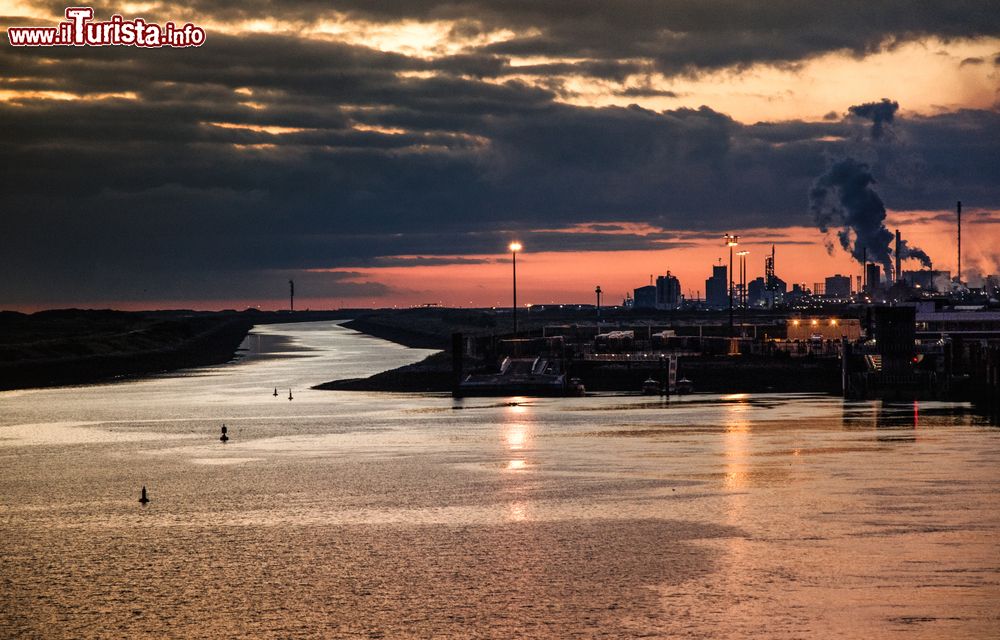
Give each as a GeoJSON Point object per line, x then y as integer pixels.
{"type": "Point", "coordinates": [843, 197]}
{"type": "Point", "coordinates": [880, 113]}
{"type": "Point", "coordinates": [908, 252]}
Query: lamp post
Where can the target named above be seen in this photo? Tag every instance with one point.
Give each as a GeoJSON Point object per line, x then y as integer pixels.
{"type": "Point", "coordinates": [731, 241]}
{"type": "Point", "coordinates": [514, 248]}
{"type": "Point", "coordinates": [743, 288]}
{"type": "Point", "coordinates": [598, 292]}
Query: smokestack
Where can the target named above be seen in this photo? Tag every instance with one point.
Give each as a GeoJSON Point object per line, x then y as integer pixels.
{"type": "Point", "coordinates": [864, 269]}
{"type": "Point", "coordinates": [899, 242]}
{"type": "Point", "coordinates": [291, 296]}
{"type": "Point", "coordinates": [959, 241]}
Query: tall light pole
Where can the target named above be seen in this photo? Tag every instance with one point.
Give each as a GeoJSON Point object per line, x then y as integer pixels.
{"type": "Point", "coordinates": [731, 241]}
{"type": "Point", "coordinates": [514, 248]}
{"type": "Point", "coordinates": [598, 292]}
{"type": "Point", "coordinates": [743, 287]}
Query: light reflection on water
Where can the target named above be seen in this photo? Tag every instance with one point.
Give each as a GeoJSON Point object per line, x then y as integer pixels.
{"type": "Point", "coordinates": [344, 514]}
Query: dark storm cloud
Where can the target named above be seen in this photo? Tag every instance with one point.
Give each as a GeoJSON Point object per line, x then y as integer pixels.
{"type": "Point", "coordinates": [423, 261]}
{"type": "Point", "coordinates": [880, 113]}
{"type": "Point", "coordinates": [679, 35]}
{"type": "Point", "coordinates": [675, 36]}
{"type": "Point", "coordinates": [646, 92]}
{"type": "Point", "coordinates": [687, 35]}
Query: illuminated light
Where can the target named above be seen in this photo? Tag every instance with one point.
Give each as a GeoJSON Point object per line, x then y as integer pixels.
{"type": "Point", "coordinates": [515, 246]}
{"type": "Point", "coordinates": [833, 323]}
{"type": "Point", "coordinates": [736, 396]}
{"type": "Point", "coordinates": [795, 322]}
{"type": "Point", "coordinates": [815, 322]}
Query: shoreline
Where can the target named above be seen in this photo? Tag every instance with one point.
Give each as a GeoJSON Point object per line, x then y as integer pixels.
{"type": "Point", "coordinates": [75, 347]}
{"type": "Point", "coordinates": [712, 374]}
{"type": "Point", "coordinates": [716, 374]}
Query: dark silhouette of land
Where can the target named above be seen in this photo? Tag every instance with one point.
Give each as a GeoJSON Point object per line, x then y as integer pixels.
{"type": "Point", "coordinates": [431, 328]}
{"type": "Point", "coordinates": [73, 346]}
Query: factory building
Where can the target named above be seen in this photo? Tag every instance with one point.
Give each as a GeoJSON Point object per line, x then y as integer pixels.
{"type": "Point", "coordinates": [928, 279]}
{"type": "Point", "coordinates": [755, 292]}
{"type": "Point", "coordinates": [644, 297]}
{"type": "Point", "coordinates": [716, 288]}
{"type": "Point", "coordinates": [837, 286]}
{"type": "Point", "coordinates": [668, 292]}
{"type": "Point", "coordinates": [873, 277]}
{"type": "Point", "coordinates": [824, 328]}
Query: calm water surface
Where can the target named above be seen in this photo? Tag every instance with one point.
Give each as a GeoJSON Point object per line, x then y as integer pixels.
{"type": "Point", "coordinates": [343, 514]}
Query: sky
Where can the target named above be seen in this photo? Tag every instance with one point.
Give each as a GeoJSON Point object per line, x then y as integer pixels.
{"type": "Point", "coordinates": [385, 153]}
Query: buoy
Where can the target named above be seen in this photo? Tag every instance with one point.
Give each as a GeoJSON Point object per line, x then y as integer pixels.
{"type": "Point", "coordinates": [224, 437]}
{"type": "Point", "coordinates": [143, 499]}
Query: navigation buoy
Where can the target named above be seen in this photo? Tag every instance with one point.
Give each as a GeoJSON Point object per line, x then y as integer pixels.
{"type": "Point", "coordinates": [143, 499]}
{"type": "Point", "coordinates": [289, 394]}
{"type": "Point", "coordinates": [276, 392]}
{"type": "Point", "coordinates": [224, 437]}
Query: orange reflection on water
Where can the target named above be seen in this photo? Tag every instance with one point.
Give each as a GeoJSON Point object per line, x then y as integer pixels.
{"type": "Point", "coordinates": [517, 511]}
{"type": "Point", "coordinates": [516, 465]}
{"type": "Point", "coordinates": [516, 435]}
{"type": "Point", "coordinates": [735, 443]}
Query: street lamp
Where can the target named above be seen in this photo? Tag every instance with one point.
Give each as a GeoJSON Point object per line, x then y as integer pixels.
{"type": "Point", "coordinates": [598, 292]}
{"type": "Point", "coordinates": [743, 288]}
{"type": "Point", "coordinates": [731, 241]}
{"type": "Point", "coordinates": [514, 248]}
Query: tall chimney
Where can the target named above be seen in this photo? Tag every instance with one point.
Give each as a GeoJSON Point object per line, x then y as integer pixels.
{"type": "Point", "coordinates": [899, 274]}
{"type": "Point", "coordinates": [864, 269]}
{"type": "Point", "coordinates": [959, 279]}
{"type": "Point", "coordinates": [291, 296]}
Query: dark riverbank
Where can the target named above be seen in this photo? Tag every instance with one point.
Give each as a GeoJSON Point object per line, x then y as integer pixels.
{"type": "Point", "coordinates": [432, 329]}
{"type": "Point", "coordinates": [718, 374]}
{"type": "Point", "coordinates": [73, 346]}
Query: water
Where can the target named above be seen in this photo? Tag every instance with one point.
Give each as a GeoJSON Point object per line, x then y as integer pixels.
{"type": "Point", "coordinates": [345, 514]}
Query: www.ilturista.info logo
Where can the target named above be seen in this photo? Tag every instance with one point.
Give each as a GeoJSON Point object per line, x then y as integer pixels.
{"type": "Point", "coordinates": [79, 30]}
